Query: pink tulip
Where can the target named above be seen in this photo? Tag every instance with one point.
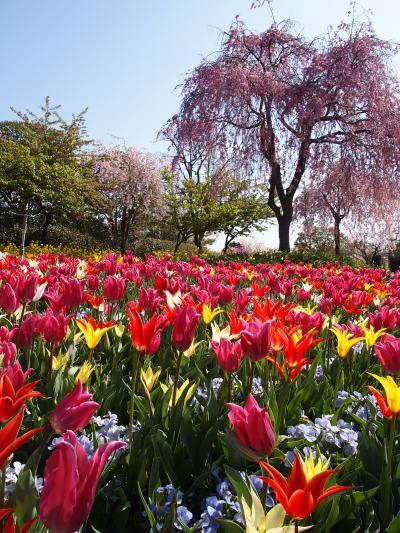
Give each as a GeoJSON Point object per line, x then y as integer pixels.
{"type": "Point", "coordinates": [72, 292]}
{"type": "Point", "coordinates": [185, 323]}
{"type": "Point", "coordinates": [252, 426]}
{"type": "Point", "coordinates": [229, 354]}
{"type": "Point", "coordinates": [27, 286]}
{"type": "Point", "coordinates": [388, 353]}
{"type": "Point", "coordinates": [70, 483]}
{"type": "Point", "coordinates": [53, 326]}
{"type": "Point", "coordinates": [8, 299]}
{"type": "Point", "coordinates": [75, 410]}
{"type": "Point", "coordinates": [24, 333]}
{"type": "Point", "coordinates": [256, 339]}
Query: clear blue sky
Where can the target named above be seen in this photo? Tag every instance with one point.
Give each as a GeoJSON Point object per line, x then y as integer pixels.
{"type": "Point", "coordinates": [124, 58]}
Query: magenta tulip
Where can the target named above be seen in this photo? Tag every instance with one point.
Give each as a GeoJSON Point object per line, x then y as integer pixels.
{"type": "Point", "coordinates": [75, 410]}
{"type": "Point", "coordinates": [114, 288]}
{"type": "Point", "coordinates": [27, 287]}
{"type": "Point", "coordinates": [229, 354]}
{"type": "Point", "coordinates": [252, 426]}
{"type": "Point", "coordinates": [388, 353]}
{"type": "Point", "coordinates": [256, 339]}
{"type": "Point", "coordinates": [185, 323]}
{"type": "Point", "coordinates": [53, 326]}
{"type": "Point", "coordinates": [8, 299]}
{"type": "Point", "coordinates": [70, 483]}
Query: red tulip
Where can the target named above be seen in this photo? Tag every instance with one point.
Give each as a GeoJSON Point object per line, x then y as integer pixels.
{"type": "Point", "coordinates": [298, 495]}
{"type": "Point", "coordinates": [252, 426]}
{"type": "Point", "coordinates": [8, 437]}
{"type": "Point", "coordinates": [12, 400]}
{"type": "Point", "coordinates": [294, 353]}
{"type": "Point", "coordinates": [8, 299]}
{"type": "Point", "coordinates": [75, 410]}
{"type": "Point", "coordinates": [388, 353]}
{"type": "Point", "coordinates": [185, 322]}
{"type": "Point", "coordinates": [9, 525]}
{"type": "Point", "coordinates": [229, 354]}
{"type": "Point", "coordinates": [114, 288]}
{"type": "Point", "coordinates": [256, 339]}
{"type": "Point", "coordinates": [146, 337]}
{"type": "Point", "coordinates": [70, 483]}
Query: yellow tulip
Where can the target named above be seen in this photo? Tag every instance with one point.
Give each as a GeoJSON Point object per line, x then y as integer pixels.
{"type": "Point", "coordinates": [165, 388]}
{"type": "Point", "coordinates": [209, 314]}
{"type": "Point", "coordinates": [119, 330]}
{"type": "Point", "coordinates": [392, 392]}
{"type": "Point", "coordinates": [192, 348]}
{"type": "Point", "coordinates": [149, 378]}
{"type": "Point", "coordinates": [313, 467]}
{"type": "Point", "coordinates": [60, 361]}
{"type": "Point", "coordinates": [84, 372]}
{"type": "Point", "coordinates": [309, 310]}
{"type": "Point", "coordinates": [93, 331]}
{"type": "Point", "coordinates": [370, 335]}
{"type": "Point", "coordinates": [345, 341]}
{"type": "Point", "coordinates": [217, 334]}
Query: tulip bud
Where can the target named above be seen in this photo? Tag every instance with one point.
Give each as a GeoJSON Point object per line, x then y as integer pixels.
{"type": "Point", "coordinates": [185, 323]}
{"type": "Point", "coordinates": [75, 410]}
{"type": "Point", "coordinates": [114, 288]}
{"type": "Point", "coordinates": [8, 299]}
{"type": "Point", "coordinates": [253, 426]}
{"type": "Point", "coordinates": [256, 339]}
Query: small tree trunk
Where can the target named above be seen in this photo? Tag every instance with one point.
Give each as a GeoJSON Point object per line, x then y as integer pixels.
{"type": "Point", "coordinates": [24, 227]}
{"type": "Point", "coordinates": [284, 212]}
{"type": "Point", "coordinates": [124, 231]}
{"type": "Point", "coordinates": [284, 233]}
{"type": "Point", "coordinates": [336, 234]}
{"type": "Point", "coordinates": [198, 241]}
{"type": "Point", "coordinates": [48, 216]}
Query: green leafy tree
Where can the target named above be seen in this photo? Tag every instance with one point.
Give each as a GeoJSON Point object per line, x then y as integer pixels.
{"type": "Point", "coordinates": [221, 203]}
{"type": "Point", "coordinates": [44, 166]}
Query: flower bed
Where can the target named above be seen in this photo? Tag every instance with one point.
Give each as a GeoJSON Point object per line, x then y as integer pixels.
{"type": "Point", "coordinates": [161, 395]}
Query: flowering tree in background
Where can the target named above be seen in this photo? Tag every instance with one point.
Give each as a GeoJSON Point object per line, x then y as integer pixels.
{"type": "Point", "coordinates": [347, 190]}
{"type": "Point", "coordinates": [133, 186]}
{"type": "Point", "coordinates": [285, 104]}
{"type": "Point", "coordinates": [333, 194]}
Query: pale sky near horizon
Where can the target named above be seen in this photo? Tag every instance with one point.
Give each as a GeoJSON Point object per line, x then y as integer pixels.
{"type": "Point", "coordinates": [123, 58]}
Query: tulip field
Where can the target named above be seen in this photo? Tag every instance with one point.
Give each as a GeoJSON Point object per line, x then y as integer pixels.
{"type": "Point", "coordinates": [142, 395]}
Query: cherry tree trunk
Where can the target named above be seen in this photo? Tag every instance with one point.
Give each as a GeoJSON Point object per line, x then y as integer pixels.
{"type": "Point", "coordinates": [336, 234]}
{"type": "Point", "coordinates": [284, 233]}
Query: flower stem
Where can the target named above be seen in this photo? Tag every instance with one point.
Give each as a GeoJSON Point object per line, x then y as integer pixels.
{"type": "Point", "coordinates": [251, 377]}
{"type": "Point", "coordinates": [387, 486]}
{"type": "Point", "coordinates": [135, 370]}
{"type": "Point", "coordinates": [47, 433]}
{"type": "Point", "coordinates": [229, 379]}
{"type": "Point", "coordinates": [2, 486]}
{"type": "Point", "coordinates": [178, 367]}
